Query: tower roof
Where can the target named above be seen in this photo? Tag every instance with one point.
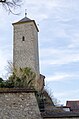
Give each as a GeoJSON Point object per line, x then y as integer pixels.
{"type": "Point", "coordinates": [25, 20]}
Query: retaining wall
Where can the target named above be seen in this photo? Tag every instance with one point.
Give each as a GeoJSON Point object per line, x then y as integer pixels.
{"type": "Point", "coordinates": [18, 104]}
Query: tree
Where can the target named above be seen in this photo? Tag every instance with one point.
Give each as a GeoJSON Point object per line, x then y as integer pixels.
{"type": "Point", "coordinates": [51, 97]}
{"type": "Point", "coordinates": [11, 5]}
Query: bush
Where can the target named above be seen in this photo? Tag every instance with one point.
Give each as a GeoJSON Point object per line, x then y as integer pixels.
{"type": "Point", "coordinates": [1, 79]}
{"type": "Point", "coordinates": [21, 78]}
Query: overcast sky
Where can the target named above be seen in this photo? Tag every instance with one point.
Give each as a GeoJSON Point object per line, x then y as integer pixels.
{"type": "Point", "coordinates": [58, 43]}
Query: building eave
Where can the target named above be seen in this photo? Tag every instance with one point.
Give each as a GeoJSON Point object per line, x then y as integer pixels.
{"type": "Point", "coordinates": [26, 22]}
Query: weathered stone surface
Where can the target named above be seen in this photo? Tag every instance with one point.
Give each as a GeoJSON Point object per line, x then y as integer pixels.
{"type": "Point", "coordinates": [59, 115]}
{"type": "Point", "coordinates": [25, 51]}
{"type": "Point", "coordinates": [19, 106]}
{"type": "Point", "coordinates": [25, 47]}
{"type": "Point", "coordinates": [63, 118]}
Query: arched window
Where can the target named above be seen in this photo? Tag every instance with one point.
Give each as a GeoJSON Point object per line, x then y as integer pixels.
{"type": "Point", "coordinates": [23, 38]}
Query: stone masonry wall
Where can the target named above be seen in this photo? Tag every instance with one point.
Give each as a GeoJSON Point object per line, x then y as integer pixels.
{"type": "Point", "coordinates": [18, 106]}
{"type": "Point", "coordinates": [64, 118]}
{"type": "Point", "coordinates": [25, 53]}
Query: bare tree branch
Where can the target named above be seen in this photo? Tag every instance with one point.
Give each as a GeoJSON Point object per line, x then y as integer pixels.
{"type": "Point", "coordinates": [11, 5]}
{"type": "Point", "coordinates": [2, 0]}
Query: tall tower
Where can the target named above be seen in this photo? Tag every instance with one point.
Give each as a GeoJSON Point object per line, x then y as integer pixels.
{"type": "Point", "coordinates": [25, 44]}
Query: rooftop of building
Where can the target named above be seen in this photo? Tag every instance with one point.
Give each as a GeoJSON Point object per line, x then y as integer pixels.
{"type": "Point", "coordinates": [26, 20]}
{"type": "Point", "coordinates": [74, 105]}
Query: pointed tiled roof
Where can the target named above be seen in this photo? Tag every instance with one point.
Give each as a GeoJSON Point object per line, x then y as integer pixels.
{"type": "Point", "coordinates": [24, 20]}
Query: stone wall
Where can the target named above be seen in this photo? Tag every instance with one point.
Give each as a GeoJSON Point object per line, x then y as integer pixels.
{"type": "Point", "coordinates": [18, 105]}
{"type": "Point", "coordinates": [60, 115]}
{"type": "Point", "coordinates": [22, 104]}
{"type": "Point", "coordinates": [64, 118]}
{"type": "Point", "coordinates": [25, 52]}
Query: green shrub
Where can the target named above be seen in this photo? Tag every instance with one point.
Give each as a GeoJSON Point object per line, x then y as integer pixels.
{"type": "Point", "coordinates": [21, 78]}
{"type": "Point", "coordinates": [1, 79]}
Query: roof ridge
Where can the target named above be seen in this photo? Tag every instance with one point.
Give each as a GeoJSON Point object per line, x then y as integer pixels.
{"type": "Point", "coordinates": [25, 19]}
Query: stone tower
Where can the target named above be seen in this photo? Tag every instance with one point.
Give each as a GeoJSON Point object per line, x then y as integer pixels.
{"type": "Point", "coordinates": [25, 45]}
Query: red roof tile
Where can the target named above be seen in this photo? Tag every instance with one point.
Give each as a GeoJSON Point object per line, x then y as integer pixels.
{"type": "Point", "coordinates": [74, 105]}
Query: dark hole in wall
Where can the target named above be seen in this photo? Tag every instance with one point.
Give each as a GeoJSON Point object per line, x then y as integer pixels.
{"type": "Point", "coordinates": [23, 38]}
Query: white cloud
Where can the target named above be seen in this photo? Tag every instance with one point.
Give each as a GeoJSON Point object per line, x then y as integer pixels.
{"type": "Point", "coordinates": [42, 2]}
{"type": "Point", "coordinates": [43, 8]}
{"type": "Point", "coordinates": [75, 40]}
{"type": "Point", "coordinates": [50, 56]}
{"type": "Point", "coordinates": [58, 77]}
{"type": "Point", "coordinates": [2, 63]}
{"type": "Point", "coordinates": [67, 95]}
{"type": "Point", "coordinates": [62, 76]}
{"type": "Point", "coordinates": [5, 56]}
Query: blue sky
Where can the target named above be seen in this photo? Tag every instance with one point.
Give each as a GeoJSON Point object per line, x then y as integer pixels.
{"type": "Point", "coordinates": [58, 43]}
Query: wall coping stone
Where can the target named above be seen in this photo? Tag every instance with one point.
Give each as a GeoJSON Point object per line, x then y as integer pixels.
{"type": "Point", "coordinates": [60, 114]}
{"type": "Point", "coordinates": [17, 90]}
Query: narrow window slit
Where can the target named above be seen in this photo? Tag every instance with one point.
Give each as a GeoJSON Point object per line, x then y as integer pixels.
{"type": "Point", "coordinates": [23, 38]}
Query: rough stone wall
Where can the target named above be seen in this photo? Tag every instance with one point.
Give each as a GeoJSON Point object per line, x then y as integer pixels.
{"type": "Point", "coordinates": [18, 106]}
{"type": "Point", "coordinates": [25, 53]}
{"type": "Point", "coordinates": [64, 118]}
{"type": "Point", "coordinates": [40, 83]}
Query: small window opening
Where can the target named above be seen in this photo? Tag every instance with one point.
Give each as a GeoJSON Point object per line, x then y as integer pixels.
{"type": "Point", "coordinates": [23, 38]}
